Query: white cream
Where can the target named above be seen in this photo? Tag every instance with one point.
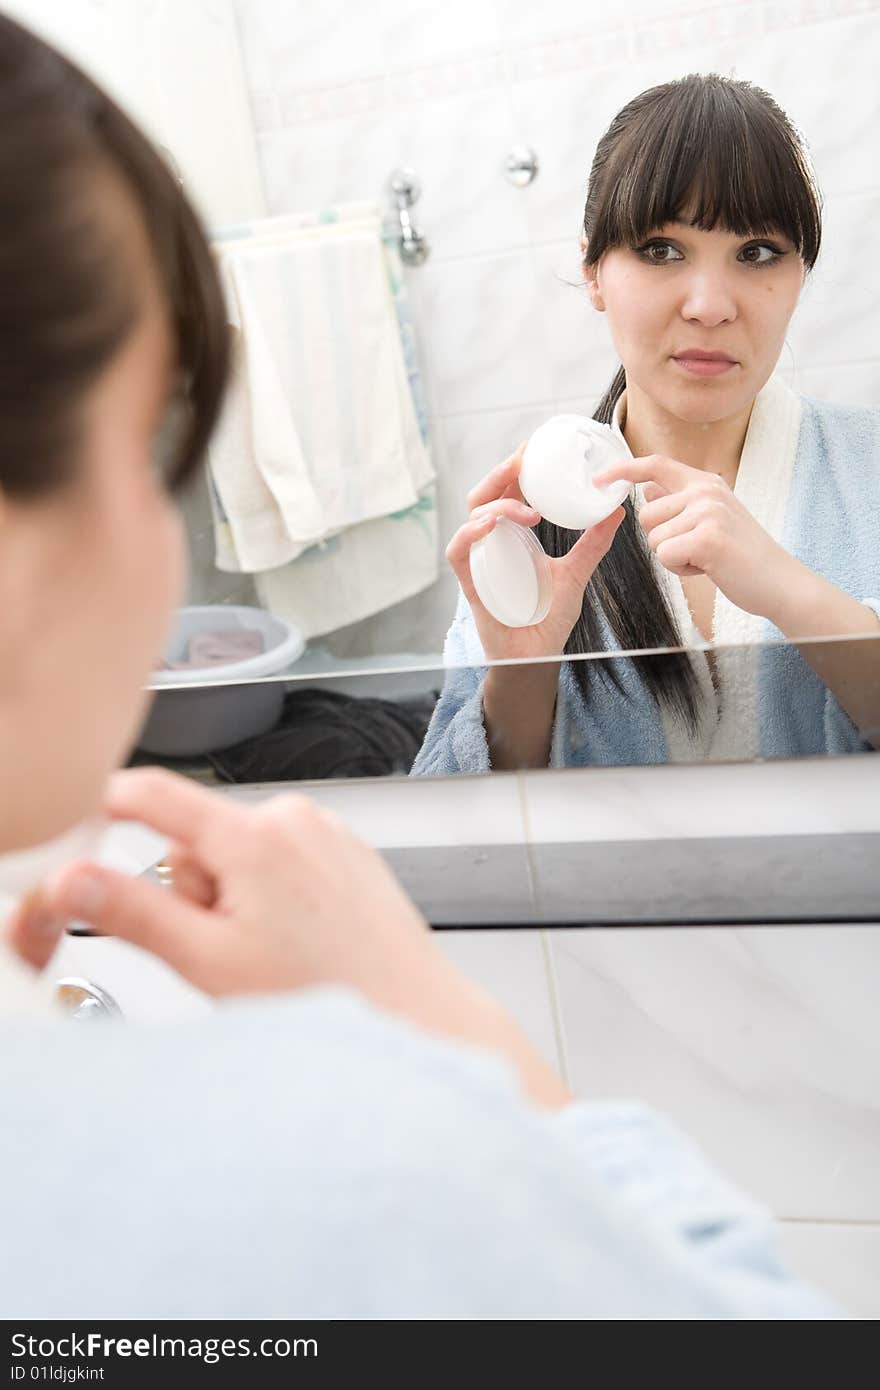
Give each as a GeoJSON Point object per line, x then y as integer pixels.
{"type": "Point", "coordinates": [557, 472]}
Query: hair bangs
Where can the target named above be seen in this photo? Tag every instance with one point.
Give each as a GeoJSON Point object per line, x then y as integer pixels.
{"type": "Point", "coordinates": [711, 153]}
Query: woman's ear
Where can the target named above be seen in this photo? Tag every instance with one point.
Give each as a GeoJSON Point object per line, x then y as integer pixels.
{"type": "Point", "coordinates": [591, 280]}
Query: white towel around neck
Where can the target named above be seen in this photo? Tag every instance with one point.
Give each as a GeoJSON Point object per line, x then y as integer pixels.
{"type": "Point", "coordinates": [728, 726]}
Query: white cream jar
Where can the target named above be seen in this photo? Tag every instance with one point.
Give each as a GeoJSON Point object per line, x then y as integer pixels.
{"type": "Point", "coordinates": [509, 567]}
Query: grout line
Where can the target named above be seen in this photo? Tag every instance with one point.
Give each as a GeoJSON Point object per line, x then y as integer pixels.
{"type": "Point", "coordinates": [555, 1007]}
{"type": "Point", "coordinates": [866, 1223]}
{"type": "Point", "coordinates": [544, 937]}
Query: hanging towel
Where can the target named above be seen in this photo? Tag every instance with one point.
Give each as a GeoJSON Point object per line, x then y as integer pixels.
{"type": "Point", "coordinates": [320, 431]}
{"type": "Point", "coordinates": [358, 573]}
{"type": "Point", "coordinates": [379, 563]}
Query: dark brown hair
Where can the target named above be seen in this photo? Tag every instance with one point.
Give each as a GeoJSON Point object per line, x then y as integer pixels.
{"type": "Point", "coordinates": [68, 288]}
{"type": "Point", "coordinates": [722, 153]}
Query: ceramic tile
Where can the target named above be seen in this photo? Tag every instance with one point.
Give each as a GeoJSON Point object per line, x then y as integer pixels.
{"type": "Point", "coordinates": [562, 116]}
{"type": "Point", "coordinates": [581, 355]}
{"type": "Point", "coordinates": [483, 332]}
{"type": "Point", "coordinates": [526, 23]}
{"type": "Point", "coordinates": [523, 22]}
{"type": "Point", "coordinates": [842, 1260]}
{"type": "Point", "coordinates": [421, 812]}
{"type": "Point", "coordinates": [806, 68]}
{"type": "Point", "coordinates": [857, 383]}
{"type": "Point", "coordinates": [511, 966]}
{"type": "Point", "coordinates": [421, 33]}
{"type": "Point", "coordinates": [835, 321]}
{"type": "Point", "coordinates": [807, 796]}
{"type": "Point", "coordinates": [457, 145]}
{"type": "Point", "coordinates": [578, 405]}
{"type": "Point", "coordinates": [477, 442]}
{"type": "Point", "coordinates": [324, 162]}
{"type": "Point", "coordinates": [316, 42]}
{"type": "Point", "coordinates": [762, 1044]}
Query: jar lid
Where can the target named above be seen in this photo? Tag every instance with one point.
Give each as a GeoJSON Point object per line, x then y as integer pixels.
{"type": "Point", "coordinates": [511, 575]}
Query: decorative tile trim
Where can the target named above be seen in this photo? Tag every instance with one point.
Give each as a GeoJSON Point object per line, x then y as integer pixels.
{"type": "Point", "coordinates": [581, 52]}
{"type": "Point", "coordinates": [470, 74]}
{"type": "Point", "coordinates": [571, 52]}
{"type": "Point", "coordinates": [327, 103]}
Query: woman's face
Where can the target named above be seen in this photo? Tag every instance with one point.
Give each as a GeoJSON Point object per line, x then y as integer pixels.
{"type": "Point", "coordinates": [686, 292]}
{"type": "Point", "coordinates": [88, 580]}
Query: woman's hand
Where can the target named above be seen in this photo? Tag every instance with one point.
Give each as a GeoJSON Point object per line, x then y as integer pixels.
{"type": "Point", "coordinates": [275, 897]}
{"type": "Point", "coordinates": [499, 495]}
{"type": "Point", "coordinates": [695, 525]}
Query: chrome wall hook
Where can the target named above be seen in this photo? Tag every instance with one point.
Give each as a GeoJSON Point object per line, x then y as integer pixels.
{"type": "Point", "coordinates": [405, 190]}
{"type": "Point", "coordinates": [521, 166]}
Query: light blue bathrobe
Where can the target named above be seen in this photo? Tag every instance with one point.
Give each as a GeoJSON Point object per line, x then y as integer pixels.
{"type": "Point", "coordinates": [810, 474]}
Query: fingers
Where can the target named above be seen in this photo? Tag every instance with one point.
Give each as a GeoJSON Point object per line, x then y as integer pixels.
{"type": "Point", "coordinates": [651, 492]}
{"type": "Point", "coordinates": [190, 879]}
{"type": "Point", "coordinates": [679, 525]}
{"type": "Point", "coordinates": [136, 910]}
{"type": "Point", "coordinates": [595, 543]}
{"type": "Point", "coordinates": [459, 549]}
{"type": "Point", "coordinates": [669, 505]}
{"type": "Point", "coordinates": [496, 483]}
{"type": "Point", "coordinates": [35, 931]}
{"type": "Point", "coordinates": [520, 512]}
{"type": "Point", "coordinates": [655, 468]}
{"type": "Point", "coordinates": [190, 815]}
{"type": "Point", "coordinates": [677, 555]}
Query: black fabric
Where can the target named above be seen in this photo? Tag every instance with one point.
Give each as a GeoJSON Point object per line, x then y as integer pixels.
{"type": "Point", "coordinates": [322, 733]}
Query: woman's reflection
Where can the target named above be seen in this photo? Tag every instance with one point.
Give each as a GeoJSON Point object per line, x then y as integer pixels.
{"type": "Point", "coordinates": [756, 510]}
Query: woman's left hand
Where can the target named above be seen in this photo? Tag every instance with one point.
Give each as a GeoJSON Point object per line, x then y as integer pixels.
{"type": "Point", "coordinates": [695, 525]}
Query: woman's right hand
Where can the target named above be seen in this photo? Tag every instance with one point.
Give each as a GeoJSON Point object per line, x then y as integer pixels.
{"type": "Point", "coordinates": [498, 494]}
{"type": "Point", "coordinates": [277, 897]}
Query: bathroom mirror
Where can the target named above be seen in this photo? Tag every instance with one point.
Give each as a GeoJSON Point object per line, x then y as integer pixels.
{"type": "Point", "coordinates": [610, 710]}
{"type": "Point", "coordinates": [422, 331]}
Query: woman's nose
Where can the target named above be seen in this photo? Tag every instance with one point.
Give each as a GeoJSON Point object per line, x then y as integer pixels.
{"type": "Point", "coordinates": [709, 301]}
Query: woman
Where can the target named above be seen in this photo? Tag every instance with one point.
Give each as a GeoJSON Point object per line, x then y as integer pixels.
{"type": "Point", "coordinates": [372, 1136]}
{"type": "Point", "coordinates": [757, 512]}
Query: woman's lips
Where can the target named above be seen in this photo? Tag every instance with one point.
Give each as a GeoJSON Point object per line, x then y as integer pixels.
{"type": "Point", "coordinates": [704, 366]}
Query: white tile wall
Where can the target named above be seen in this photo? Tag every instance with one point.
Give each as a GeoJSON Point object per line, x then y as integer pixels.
{"type": "Point", "coordinates": [513, 966]}
{"type": "Point", "coordinates": [813, 796]}
{"type": "Point", "coordinates": [486, 349]}
{"type": "Point", "coordinates": [843, 1260]}
{"type": "Point", "coordinates": [341, 96]}
{"type": "Point", "coordinates": [762, 1043]}
{"type": "Point", "coordinates": [428, 811]}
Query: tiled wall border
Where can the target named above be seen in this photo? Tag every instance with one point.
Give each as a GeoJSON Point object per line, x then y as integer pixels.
{"type": "Point", "coordinates": [501, 65]}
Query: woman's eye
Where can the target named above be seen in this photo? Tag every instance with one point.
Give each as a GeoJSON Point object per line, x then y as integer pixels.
{"type": "Point", "coordinates": [760, 253]}
{"type": "Point", "coordinates": [660, 253]}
